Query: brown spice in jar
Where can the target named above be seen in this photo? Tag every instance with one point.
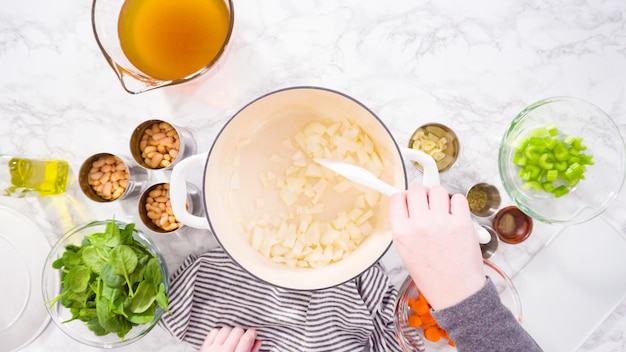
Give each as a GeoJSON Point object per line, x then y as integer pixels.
{"type": "Point", "coordinates": [506, 224]}
{"type": "Point", "coordinates": [477, 199]}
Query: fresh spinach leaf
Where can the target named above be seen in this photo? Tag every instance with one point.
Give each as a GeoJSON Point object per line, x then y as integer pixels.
{"type": "Point", "coordinates": [94, 325]}
{"type": "Point", "coordinates": [153, 272]}
{"type": "Point", "coordinates": [96, 240]}
{"type": "Point", "coordinates": [120, 306]}
{"type": "Point", "coordinates": [143, 317]}
{"type": "Point", "coordinates": [124, 328]}
{"type": "Point", "coordinates": [87, 314]}
{"type": "Point", "coordinates": [111, 294]}
{"type": "Point", "coordinates": [58, 264]}
{"type": "Point", "coordinates": [138, 276]}
{"type": "Point", "coordinates": [124, 262]}
{"type": "Point", "coordinates": [110, 278]}
{"type": "Point", "coordinates": [161, 298]}
{"type": "Point", "coordinates": [95, 257]}
{"type": "Point", "coordinates": [143, 298]}
{"type": "Point", "coordinates": [78, 278]}
{"type": "Point", "coordinates": [126, 235]}
{"type": "Point", "coordinates": [142, 255]}
{"type": "Point", "coordinates": [112, 235]}
{"type": "Point", "coordinates": [71, 257]}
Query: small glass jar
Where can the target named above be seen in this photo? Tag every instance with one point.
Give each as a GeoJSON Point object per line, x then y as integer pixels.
{"type": "Point", "coordinates": [22, 177]}
{"type": "Point", "coordinates": [512, 225]}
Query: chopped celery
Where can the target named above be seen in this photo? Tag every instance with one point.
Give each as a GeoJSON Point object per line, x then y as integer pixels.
{"type": "Point", "coordinates": [537, 132]}
{"type": "Point", "coordinates": [578, 144]}
{"type": "Point", "coordinates": [532, 184]}
{"type": "Point", "coordinates": [560, 152]}
{"type": "Point", "coordinates": [551, 143]}
{"type": "Point", "coordinates": [560, 191]}
{"type": "Point", "coordinates": [549, 161]}
{"type": "Point", "coordinates": [544, 162]}
{"type": "Point", "coordinates": [532, 152]}
{"type": "Point", "coordinates": [587, 159]}
{"type": "Point", "coordinates": [552, 129]}
{"type": "Point", "coordinates": [547, 186]}
{"type": "Point", "coordinates": [519, 160]}
{"type": "Point", "coordinates": [561, 166]}
{"type": "Point", "coordinates": [552, 175]}
{"type": "Point", "coordinates": [574, 171]}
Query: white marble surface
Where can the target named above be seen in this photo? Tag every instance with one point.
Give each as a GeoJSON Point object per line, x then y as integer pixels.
{"type": "Point", "coordinates": [471, 65]}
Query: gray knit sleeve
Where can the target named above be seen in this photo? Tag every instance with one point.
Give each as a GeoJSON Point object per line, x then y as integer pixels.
{"type": "Point", "coordinates": [482, 323]}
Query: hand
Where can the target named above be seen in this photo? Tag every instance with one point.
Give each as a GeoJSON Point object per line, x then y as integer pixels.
{"type": "Point", "coordinates": [228, 339]}
{"type": "Point", "coordinates": [435, 239]}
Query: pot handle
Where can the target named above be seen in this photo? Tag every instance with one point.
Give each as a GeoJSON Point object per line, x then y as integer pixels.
{"type": "Point", "coordinates": [431, 178]}
{"type": "Point", "coordinates": [431, 172]}
{"type": "Point", "coordinates": [178, 190]}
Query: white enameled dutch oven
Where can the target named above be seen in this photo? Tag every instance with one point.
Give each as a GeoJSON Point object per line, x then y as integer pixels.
{"type": "Point", "coordinates": [259, 129]}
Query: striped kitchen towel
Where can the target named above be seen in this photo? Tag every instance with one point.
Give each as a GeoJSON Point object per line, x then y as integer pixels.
{"type": "Point", "coordinates": [210, 291]}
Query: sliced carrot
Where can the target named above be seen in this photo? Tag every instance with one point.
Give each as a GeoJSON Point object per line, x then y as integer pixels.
{"type": "Point", "coordinates": [420, 306]}
{"type": "Point", "coordinates": [432, 334]}
{"type": "Point", "coordinates": [414, 321]}
{"type": "Point", "coordinates": [428, 320]}
{"type": "Point", "coordinates": [422, 317]}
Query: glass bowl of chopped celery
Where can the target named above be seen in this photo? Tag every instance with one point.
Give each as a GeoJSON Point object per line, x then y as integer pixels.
{"type": "Point", "coordinates": [105, 284]}
{"type": "Point", "coordinates": [562, 160]}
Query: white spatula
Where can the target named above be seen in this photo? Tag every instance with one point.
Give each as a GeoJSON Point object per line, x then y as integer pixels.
{"type": "Point", "coordinates": [364, 177]}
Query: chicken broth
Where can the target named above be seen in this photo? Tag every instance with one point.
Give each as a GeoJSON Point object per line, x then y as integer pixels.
{"type": "Point", "coordinates": [172, 39]}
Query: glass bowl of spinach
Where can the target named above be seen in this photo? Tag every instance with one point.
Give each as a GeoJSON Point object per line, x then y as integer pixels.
{"type": "Point", "coordinates": [105, 284]}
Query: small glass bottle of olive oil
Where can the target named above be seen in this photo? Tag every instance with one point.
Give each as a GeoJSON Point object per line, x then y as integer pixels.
{"type": "Point", "coordinates": [23, 177]}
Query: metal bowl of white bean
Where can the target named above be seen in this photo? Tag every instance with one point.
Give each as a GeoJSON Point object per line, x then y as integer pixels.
{"type": "Point", "coordinates": [106, 177]}
{"type": "Point", "coordinates": [156, 144]}
{"type": "Point", "coordinates": [155, 208]}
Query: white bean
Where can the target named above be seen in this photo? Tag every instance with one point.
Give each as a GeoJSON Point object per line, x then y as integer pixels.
{"type": "Point", "coordinates": [159, 209]}
{"type": "Point", "coordinates": [159, 138]}
{"type": "Point", "coordinates": [108, 177]}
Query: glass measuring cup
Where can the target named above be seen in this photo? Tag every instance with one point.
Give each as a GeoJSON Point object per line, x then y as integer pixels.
{"type": "Point", "coordinates": [157, 43]}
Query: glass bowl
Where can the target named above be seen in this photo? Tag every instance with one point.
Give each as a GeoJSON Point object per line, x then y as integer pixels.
{"type": "Point", "coordinates": [412, 339]}
{"type": "Point", "coordinates": [516, 229]}
{"type": "Point", "coordinates": [51, 288]}
{"type": "Point", "coordinates": [602, 181]}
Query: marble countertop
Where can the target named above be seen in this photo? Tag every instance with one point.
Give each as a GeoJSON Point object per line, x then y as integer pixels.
{"type": "Point", "coordinates": [470, 65]}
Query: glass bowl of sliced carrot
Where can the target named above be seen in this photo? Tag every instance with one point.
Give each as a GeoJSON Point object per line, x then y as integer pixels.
{"type": "Point", "coordinates": [415, 326]}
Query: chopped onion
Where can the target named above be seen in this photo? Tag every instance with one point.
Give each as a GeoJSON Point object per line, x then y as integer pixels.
{"type": "Point", "coordinates": [300, 234]}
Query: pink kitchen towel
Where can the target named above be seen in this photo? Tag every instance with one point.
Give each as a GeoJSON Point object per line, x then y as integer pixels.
{"type": "Point", "coordinates": [211, 290]}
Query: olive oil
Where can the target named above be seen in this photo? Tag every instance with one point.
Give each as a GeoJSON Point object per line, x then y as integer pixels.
{"type": "Point", "coordinates": [29, 177]}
